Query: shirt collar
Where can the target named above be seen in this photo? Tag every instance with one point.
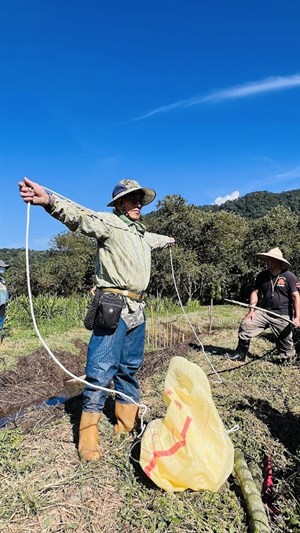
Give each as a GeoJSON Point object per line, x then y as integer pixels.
{"type": "Point", "coordinates": [138, 225]}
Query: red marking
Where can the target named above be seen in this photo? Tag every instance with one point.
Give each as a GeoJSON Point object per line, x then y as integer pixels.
{"type": "Point", "coordinates": [281, 281]}
{"type": "Point", "coordinates": [178, 404]}
{"type": "Point", "coordinates": [170, 451]}
{"type": "Point", "coordinates": [268, 474]}
{"type": "Point", "coordinates": [268, 495]}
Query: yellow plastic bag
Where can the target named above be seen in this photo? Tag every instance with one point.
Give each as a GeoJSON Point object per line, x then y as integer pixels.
{"type": "Point", "coordinates": [189, 448]}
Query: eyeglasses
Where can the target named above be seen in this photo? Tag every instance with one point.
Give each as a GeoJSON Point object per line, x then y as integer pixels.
{"type": "Point", "coordinates": [135, 196]}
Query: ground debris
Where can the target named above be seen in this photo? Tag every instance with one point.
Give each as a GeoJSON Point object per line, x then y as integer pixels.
{"type": "Point", "coordinates": [37, 377]}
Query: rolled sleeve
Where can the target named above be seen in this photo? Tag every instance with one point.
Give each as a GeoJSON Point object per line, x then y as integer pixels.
{"type": "Point", "coordinates": [155, 240]}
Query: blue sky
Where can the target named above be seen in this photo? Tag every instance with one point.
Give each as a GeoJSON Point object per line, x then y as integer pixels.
{"type": "Point", "coordinates": [192, 97]}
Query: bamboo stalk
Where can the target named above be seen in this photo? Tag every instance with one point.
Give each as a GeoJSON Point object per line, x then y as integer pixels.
{"type": "Point", "coordinates": [260, 309]}
{"type": "Point", "coordinates": [258, 522]}
{"type": "Point", "coordinates": [167, 334]}
{"type": "Point", "coordinates": [210, 315]}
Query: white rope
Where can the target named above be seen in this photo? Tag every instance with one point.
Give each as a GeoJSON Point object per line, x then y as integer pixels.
{"type": "Point", "coordinates": [187, 318]}
{"type": "Point", "coordinates": [233, 429]}
{"type": "Point", "coordinates": [76, 378]}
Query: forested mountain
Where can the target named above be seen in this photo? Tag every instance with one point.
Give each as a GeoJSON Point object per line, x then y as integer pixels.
{"type": "Point", "coordinates": [257, 204]}
{"type": "Point", "coordinates": [11, 255]}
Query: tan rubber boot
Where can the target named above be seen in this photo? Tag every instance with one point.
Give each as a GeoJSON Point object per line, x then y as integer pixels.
{"type": "Point", "coordinates": [88, 447]}
{"type": "Point", "coordinates": [127, 416]}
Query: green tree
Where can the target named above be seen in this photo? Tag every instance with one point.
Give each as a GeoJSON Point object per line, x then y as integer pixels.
{"type": "Point", "coordinates": [16, 275]}
{"type": "Point", "coordinates": [279, 227]}
{"type": "Point", "coordinates": [177, 218]}
{"type": "Point", "coordinates": [71, 264]}
{"type": "Point", "coordinates": [211, 260]}
{"type": "Point", "coordinates": [186, 273]}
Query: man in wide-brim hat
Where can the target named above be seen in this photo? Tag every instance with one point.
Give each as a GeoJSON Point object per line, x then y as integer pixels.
{"type": "Point", "coordinates": [4, 296]}
{"type": "Point", "coordinates": [276, 290]}
{"type": "Point", "coordinates": [123, 270]}
{"type": "Point", "coordinates": [3, 265]}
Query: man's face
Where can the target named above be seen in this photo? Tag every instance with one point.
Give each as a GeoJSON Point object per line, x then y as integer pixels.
{"type": "Point", "coordinates": [273, 264]}
{"type": "Point", "coordinates": [132, 205]}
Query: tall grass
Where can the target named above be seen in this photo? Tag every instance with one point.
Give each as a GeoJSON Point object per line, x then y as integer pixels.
{"type": "Point", "coordinates": [52, 314]}
{"type": "Point", "coordinates": [169, 306]}
{"type": "Point", "coordinates": [56, 314]}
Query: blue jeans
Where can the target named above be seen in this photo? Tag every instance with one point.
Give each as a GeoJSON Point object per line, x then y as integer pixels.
{"type": "Point", "coordinates": [113, 355]}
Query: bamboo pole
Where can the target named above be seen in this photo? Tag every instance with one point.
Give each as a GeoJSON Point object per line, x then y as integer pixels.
{"type": "Point", "coordinates": [260, 309]}
{"type": "Point", "coordinates": [258, 522]}
{"type": "Point", "coordinates": [210, 315]}
{"type": "Point", "coordinates": [167, 334]}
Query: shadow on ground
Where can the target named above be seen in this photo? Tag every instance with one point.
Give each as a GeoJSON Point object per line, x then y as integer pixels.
{"type": "Point", "coordinates": [284, 427]}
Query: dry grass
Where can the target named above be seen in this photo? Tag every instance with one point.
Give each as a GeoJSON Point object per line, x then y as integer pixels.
{"type": "Point", "coordinates": [45, 488]}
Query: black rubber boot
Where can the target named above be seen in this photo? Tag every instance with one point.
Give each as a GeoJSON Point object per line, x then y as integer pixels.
{"type": "Point", "coordinates": [241, 351]}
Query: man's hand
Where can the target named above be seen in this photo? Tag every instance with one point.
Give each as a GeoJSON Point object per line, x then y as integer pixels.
{"type": "Point", "coordinates": [296, 322]}
{"type": "Point", "coordinates": [32, 192]}
{"type": "Point", "coordinates": [171, 241]}
{"type": "Point", "coordinates": [249, 315]}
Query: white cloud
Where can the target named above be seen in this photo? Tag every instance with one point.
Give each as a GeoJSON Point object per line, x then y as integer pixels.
{"type": "Point", "coordinates": [222, 199]}
{"type": "Point", "coordinates": [250, 88]}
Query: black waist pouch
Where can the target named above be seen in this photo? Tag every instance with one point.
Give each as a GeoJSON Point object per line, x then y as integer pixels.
{"type": "Point", "coordinates": [109, 310]}
{"type": "Point", "coordinates": [104, 311]}
{"type": "Point", "coordinates": [89, 320]}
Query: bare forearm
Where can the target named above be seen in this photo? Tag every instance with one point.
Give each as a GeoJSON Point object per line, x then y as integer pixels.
{"type": "Point", "coordinates": [296, 304]}
{"type": "Point", "coordinates": [252, 301]}
{"type": "Point", "coordinates": [253, 298]}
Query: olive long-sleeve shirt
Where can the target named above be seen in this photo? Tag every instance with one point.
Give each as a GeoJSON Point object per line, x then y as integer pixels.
{"type": "Point", "coordinates": [124, 247]}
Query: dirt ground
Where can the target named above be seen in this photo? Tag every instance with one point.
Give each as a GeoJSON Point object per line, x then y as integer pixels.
{"type": "Point", "coordinates": [37, 377]}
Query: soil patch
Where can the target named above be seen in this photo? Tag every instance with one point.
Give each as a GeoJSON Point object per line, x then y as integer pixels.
{"type": "Point", "coordinates": [37, 377]}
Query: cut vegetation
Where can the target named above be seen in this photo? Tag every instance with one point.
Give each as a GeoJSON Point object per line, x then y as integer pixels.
{"type": "Point", "coordinates": [44, 486]}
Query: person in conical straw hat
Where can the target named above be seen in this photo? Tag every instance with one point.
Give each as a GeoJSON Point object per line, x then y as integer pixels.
{"type": "Point", "coordinates": [275, 289]}
{"type": "Point", "coordinates": [117, 318]}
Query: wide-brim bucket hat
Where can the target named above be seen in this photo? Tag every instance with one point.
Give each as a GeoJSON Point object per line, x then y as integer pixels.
{"type": "Point", "coordinates": [127, 186]}
{"type": "Point", "coordinates": [3, 264]}
{"type": "Point", "coordinates": [274, 253]}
